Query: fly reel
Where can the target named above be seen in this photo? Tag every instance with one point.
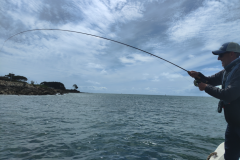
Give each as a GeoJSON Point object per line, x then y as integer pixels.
{"type": "Point", "coordinates": [196, 82]}
{"type": "Point", "coordinates": [200, 79]}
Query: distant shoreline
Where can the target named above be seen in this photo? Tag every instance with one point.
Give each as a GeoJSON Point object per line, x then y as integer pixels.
{"type": "Point", "coordinates": [23, 88]}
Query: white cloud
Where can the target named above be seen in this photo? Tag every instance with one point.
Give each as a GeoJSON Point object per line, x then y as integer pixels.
{"type": "Point", "coordinates": [155, 79]}
{"type": "Point", "coordinates": [184, 35]}
{"type": "Point", "coordinates": [191, 56]}
{"type": "Point", "coordinates": [103, 71]}
{"type": "Point", "coordinates": [132, 11]}
{"type": "Point", "coordinates": [152, 90]}
{"type": "Point", "coordinates": [95, 88]}
{"type": "Point", "coordinates": [216, 69]}
{"type": "Point", "coordinates": [115, 3]}
{"type": "Point", "coordinates": [210, 20]}
{"type": "Point", "coordinates": [126, 60]}
{"type": "Point", "coordinates": [134, 58]}
{"type": "Point", "coordinates": [93, 65]}
{"type": "Point", "coordinates": [93, 82]}
{"type": "Point", "coordinates": [171, 76]}
{"type": "Point", "coordinates": [107, 13]}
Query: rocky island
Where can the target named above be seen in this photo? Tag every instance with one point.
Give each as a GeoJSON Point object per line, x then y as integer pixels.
{"type": "Point", "coordinates": [19, 87]}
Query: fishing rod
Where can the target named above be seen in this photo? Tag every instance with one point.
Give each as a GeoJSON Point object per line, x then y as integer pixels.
{"type": "Point", "coordinates": [196, 82]}
{"type": "Point", "coordinates": [97, 37]}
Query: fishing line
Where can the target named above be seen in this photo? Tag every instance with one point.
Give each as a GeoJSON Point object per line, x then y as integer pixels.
{"type": "Point", "coordinates": [97, 37]}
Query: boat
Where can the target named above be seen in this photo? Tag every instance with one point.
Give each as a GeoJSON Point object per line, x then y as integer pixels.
{"type": "Point", "coordinates": [218, 154]}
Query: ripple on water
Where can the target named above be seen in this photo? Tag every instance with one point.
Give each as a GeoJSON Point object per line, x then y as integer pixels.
{"type": "Point", "coordinates": [106, 126]}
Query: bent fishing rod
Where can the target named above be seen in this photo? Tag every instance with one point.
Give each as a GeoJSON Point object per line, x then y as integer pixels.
{"type": "Point", "coordinates": [195, 83]}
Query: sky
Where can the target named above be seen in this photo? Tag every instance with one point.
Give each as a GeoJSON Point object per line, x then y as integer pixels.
{"type": "Point", "coordinates": [181, 31]}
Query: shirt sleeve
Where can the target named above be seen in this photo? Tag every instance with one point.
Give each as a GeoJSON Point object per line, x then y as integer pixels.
{"type": "Point", "coordinates": [215, 79]}
{"type": "Point", "coordinates": [230, 93]}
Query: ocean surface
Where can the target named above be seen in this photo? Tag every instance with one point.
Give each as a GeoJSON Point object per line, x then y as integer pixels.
{"type": "Point", "coordinates": [109, 126]}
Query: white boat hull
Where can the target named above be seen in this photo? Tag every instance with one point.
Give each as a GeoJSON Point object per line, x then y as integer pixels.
{"type": "Point", "coordinates": [220, 153]}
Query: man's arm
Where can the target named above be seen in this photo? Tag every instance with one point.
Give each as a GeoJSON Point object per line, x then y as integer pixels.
{"type": "Point", "coordinates": [214, 80]}
{"type": "Point", "coordinates": [230, 93]}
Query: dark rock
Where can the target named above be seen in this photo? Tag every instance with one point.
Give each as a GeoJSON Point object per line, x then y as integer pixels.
{"type": "Point", "coordinates": [55, 85]}
{"type": "Point", "coordinates": [14, 88]}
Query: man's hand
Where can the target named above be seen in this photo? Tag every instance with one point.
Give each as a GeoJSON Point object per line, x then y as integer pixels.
{"type": "Point", "coordinates": [193, 74]}
{"type": "Point", "coordinates": [202, 86]}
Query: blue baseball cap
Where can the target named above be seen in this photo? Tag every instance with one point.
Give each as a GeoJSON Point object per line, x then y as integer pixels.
{"type": "Point", "coordinates": [227, 47]}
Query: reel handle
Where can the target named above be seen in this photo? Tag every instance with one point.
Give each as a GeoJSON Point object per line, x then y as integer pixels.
{"type": "Point", "coordinates": [199, 80]}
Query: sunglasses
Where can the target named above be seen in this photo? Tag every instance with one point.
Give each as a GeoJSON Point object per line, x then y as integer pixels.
{"type": "Point", "coordinates": [221, 55]}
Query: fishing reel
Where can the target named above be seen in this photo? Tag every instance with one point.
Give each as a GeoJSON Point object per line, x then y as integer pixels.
{"type": "Point", "coordinates": [201, 79]}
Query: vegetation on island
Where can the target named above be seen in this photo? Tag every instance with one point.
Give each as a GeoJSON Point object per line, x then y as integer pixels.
{"type": "Point", "coordinates": [13, 77]}
{"type": "Point", "coordinates": [75, 86]}
{"type": "Point", "coordinates": [17, 84]}
{"type": "Point", "coordinates": [56, 85]}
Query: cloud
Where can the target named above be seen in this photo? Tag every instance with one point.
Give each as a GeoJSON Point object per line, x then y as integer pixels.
{"type": "Point", "coordinates": [152, 90]}
{"type": "Point", "coordinates": [216, 69]}
{"type": "Point", "coordinates": [171, 77]}
{"type": "Point", "coordinates": [103, 71]}
{"type": "Point", "coordinates": [155, 79]}
{"type": "Point", "coordinates": [93, 65]}
{"type": "Point", "coordinates": [191, 56]}
{"type": "Point", "coordinates": [92, 88]}
{"type": "Point", "coordinates": [127, 60]}
{"type": "Point", "coordinates": [132, 11]}
{"type": "Point", "coordinates": [134, 58]}
{"type": "Point", "coordinates": [93, 82]}
{"type": "Point", "coordinates": [183, 32]}
{"type": "Point", "coordinates": [202, 23]}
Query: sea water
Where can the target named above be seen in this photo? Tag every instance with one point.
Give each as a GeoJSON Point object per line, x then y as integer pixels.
{"type": "Point", "coordinates": [109, 126]}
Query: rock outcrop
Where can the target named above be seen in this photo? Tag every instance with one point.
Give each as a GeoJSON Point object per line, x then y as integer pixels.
{"type": "Point", "coordinates": [19, 88]}
{"type": "Point", "coordinates": [55, 85]}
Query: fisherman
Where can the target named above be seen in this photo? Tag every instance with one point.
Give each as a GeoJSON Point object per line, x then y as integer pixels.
{"type": "Point", "coordinates": [229, 94]}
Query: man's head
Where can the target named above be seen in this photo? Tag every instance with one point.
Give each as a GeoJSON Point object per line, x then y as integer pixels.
{"type": "Point", "coordinates": [227, 53]}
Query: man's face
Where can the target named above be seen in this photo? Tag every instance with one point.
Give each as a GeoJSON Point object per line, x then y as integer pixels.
{"type": "Point", "coordinates": [226, 58]}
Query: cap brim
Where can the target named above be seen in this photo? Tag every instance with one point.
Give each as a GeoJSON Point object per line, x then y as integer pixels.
{"type": "Point", "coordinates": [217, 52]}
